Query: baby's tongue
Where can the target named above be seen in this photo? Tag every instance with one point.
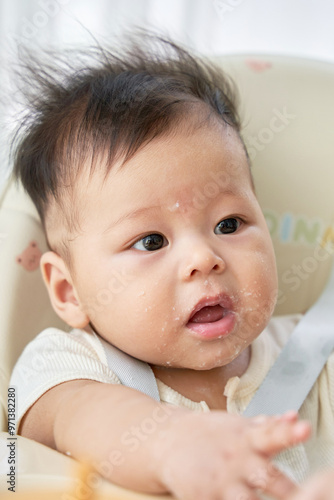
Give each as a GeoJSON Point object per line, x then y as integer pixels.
{"type": "Point", "coordinates": [208, 314]}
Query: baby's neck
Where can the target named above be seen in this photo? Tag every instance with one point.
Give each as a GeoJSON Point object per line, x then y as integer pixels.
{"type": "Point", "coordinates": [204, 385]}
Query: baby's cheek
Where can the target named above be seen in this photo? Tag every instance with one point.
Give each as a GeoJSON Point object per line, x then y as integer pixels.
{"type": "Point", "coordinates": [266, 293]}
{"type": "Point", "coordinates": [269, 282]}
{"type": "Point", "coordinates": [259, 293]}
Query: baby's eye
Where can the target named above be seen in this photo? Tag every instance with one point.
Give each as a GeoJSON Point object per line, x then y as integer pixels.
{"type": "Point", "coordinates": [150, 242]}
{"type": "Point", "coordinates": [227, 226]}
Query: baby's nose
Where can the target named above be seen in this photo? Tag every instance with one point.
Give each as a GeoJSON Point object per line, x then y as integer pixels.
{"type": "Point", "coordinates": [201, 261]}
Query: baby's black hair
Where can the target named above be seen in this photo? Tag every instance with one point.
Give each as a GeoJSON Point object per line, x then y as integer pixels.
{"type": "Point", "coordinates": [109, 103]}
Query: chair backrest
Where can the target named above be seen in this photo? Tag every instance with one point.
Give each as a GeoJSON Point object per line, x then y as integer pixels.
{"type": "Point", "coordinates": [286, 105]}
{"type": "Point", "coordinates": [25, 309]}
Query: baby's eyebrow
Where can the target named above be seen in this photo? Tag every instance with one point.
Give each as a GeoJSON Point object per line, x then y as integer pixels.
{"type": "Point", "coordinates": [131, 215]}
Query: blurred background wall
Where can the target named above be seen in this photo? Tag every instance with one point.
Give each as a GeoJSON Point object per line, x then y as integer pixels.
{"type": "Point", "coordinates": [302, 28]}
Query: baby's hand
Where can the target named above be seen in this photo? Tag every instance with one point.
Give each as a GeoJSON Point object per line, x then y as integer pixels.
{"type": "Point", "coordinates": [319, 487]}
{"type": "Point", "coordinates": [221, 456]}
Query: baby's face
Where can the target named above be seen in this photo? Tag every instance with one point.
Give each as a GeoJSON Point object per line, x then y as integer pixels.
{"type": "Point", "coordinates": [174, 264]}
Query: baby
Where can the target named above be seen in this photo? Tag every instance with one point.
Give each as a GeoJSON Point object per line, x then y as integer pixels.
{"type": "Point", "coordinates": [158, 247]}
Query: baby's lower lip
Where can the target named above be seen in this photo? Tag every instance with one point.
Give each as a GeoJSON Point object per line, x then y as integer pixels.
{"type": "Point", "coordinates": [215, 329]}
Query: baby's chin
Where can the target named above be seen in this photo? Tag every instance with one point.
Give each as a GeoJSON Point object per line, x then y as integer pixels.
{"type": "Point", "coordinates": [210, 363]}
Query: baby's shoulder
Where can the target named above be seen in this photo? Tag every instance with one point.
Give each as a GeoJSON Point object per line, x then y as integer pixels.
{"type": "Point", "coordinates": [54, 340]}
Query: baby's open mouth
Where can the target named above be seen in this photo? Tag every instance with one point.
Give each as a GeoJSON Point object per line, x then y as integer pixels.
{"type": "Point", "coordinates": [208, 314]}
{"type": "Point", "coordinates": [212, 318]}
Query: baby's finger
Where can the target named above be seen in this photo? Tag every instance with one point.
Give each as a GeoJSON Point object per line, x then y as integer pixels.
{"type": "Point", "coordinates": [320, 487]}
{"type": "Point", "coordinates": [265, 477]}
{"type": "Point", "coordinates": [238, 492]}
{"type": "Point", "coordinates": [277, 435]}
{"type": "Point", "coordinates": [289, 416]}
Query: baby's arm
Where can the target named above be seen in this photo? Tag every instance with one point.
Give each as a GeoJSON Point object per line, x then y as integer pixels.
{"type": "Point", "coordinates": [148, 446]}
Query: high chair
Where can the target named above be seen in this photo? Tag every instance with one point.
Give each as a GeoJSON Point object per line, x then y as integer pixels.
{"type": "Point", "coordinates": [287, 112]}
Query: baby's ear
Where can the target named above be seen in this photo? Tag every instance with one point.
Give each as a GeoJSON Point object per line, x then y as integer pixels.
{"type": "Point", "coordinates": [62, 291]}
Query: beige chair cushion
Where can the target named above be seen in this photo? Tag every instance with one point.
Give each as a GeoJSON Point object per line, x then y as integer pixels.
{"type": "Point", "coordinates": [25, 309]}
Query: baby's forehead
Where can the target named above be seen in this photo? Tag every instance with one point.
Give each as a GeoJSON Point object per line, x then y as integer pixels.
{"type": "Point", "coordinates": [186, 142]}
{"type": "Point", "coordinates": [173, 163]}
